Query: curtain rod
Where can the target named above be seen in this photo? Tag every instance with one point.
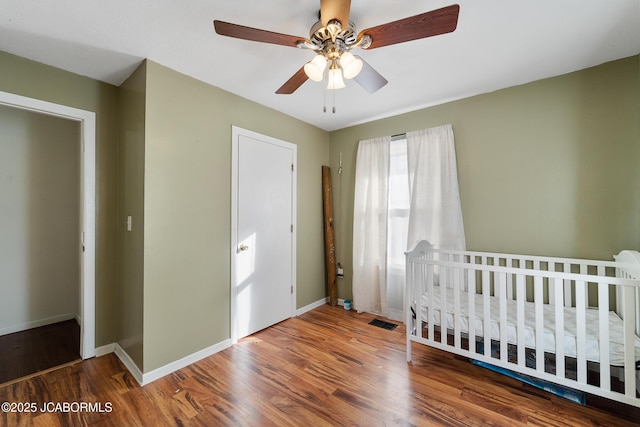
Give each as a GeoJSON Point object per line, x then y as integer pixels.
{"type": "Point", "coordinates": [398, 136]}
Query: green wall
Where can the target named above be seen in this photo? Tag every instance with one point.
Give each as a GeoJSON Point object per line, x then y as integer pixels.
{"type": "Point", "coordinates": [28, 78]}
{"type": "Point", "coordinates": [550, 167]}
{"type": "Point", "coordinates": [187, 210]}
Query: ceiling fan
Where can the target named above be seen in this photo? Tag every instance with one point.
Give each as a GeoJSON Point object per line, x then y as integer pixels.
{"type": "Point", "coordinates": [334, 36]}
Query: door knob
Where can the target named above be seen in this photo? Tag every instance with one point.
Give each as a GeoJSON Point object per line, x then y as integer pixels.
{"type": "Point", "coordinates": [243, 248]}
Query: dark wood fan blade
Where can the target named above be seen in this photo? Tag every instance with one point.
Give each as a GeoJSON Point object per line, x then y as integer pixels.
{"type": "Point", "coordinates": [293, 83]}
{"type": "Point", "coordinates": [436, 22]}
{"type": "Point", "coordinates": [369, 78]}
{"type": "Point", "coordinates": [254, 34]}
{"type": "Point", "coordinates": [335, 9]}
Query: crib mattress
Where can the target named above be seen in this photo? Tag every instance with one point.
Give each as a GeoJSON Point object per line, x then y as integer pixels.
{"type": "Point", "coordinates": [616, 345]}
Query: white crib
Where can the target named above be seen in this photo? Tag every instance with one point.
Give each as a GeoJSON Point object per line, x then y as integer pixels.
{"type": "Point", "coordinates": [570, 322]}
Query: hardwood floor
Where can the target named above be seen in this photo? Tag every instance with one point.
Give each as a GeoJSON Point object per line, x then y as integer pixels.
{"type": "Point", "coordinates": [38, 349]}
{"type": "Point", "coordinates": [326, 367]}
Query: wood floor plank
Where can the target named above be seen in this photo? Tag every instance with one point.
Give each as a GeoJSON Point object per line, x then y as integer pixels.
{"type": "Point", "coordinates": [325, 367]}
{"type": "Point", "coordinates": [37, 350]}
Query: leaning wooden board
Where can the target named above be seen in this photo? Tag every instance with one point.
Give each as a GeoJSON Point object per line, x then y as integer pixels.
{"type": "Point", "coordinates": [329, 239]}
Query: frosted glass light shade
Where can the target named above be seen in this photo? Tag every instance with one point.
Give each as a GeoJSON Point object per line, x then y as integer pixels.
{"type": "Point", "coordinates": [335, 79]}
{"type": "Point", "coordinates": [351, 66]}
{"type": "Point", "coordinates": [315, 68]}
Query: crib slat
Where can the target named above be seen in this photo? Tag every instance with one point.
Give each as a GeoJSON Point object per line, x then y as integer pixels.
{"type": "Point", "coordinates": [502, 292]}
{"type": "Point", "coordinates": [558, 286]}
{"type": "Point", "coordinates": [471, 289]}
{"type": "Point", "coordinates": [603, 329]}
{"type": "Point", "coordinates": [629, 314]}
{"type": "Point", "coordinates": [456, 307]}
{"type": "Point", "coordinates": [581, 347]}
{"type": "Point", "coordinates": [486, 308]}
{"type": "Point", "coordinates": [430, 316]}
{"type": "Point", "coordinates": [538, 298]}
{"type": "Point", "coordinates": [520, 300]}
{"type": "Point", "coordinates": [443, 304]}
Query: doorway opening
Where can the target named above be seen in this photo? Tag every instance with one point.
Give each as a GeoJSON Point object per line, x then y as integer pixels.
{"type": "Point", "coordinates": [31, 317]}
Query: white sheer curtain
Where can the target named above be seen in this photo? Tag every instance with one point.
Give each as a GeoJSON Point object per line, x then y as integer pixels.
{"type": "Point", "coordinates": [397, 227]}
{"type": "Point", "coordinates": [370, 226]}
{"type": "Point", "coordinates": [397, 204]}
{"type": "Point", "coordinates": [435, 212]}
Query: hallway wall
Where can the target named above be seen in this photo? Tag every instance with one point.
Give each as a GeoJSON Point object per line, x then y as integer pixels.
{"type": "Point", "coordinates": [40, 227]}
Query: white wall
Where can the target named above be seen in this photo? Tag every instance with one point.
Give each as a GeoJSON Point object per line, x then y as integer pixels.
{"type": "Point", "coordinates": [39, 219]}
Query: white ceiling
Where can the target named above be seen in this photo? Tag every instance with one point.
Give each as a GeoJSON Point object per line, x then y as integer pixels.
{"type": "Point", "coordinates": [498, 43]}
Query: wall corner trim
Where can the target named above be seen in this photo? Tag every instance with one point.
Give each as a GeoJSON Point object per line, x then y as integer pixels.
{"type": "Point", "coordinates": [128, 363]}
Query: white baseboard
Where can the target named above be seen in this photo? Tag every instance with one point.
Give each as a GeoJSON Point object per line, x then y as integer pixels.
{"type": "Point", "coordinates": [36, 323]}
{"type": "Point", "coordinates": [146, 378]}
{"type": "Point", "coordinates": [320, 303]}
{"type": "Point", "coordinates": [311, 306]}
{"type": "Point", "coordinates": [185, 361]}
{"type": "Point", "coordinates": [105, 349]}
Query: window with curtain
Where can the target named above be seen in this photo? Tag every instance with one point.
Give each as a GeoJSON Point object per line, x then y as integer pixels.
{"type": "Point", "coordinates": [406, 190]}
{"type": "Point", "coordinates": [397, 225]}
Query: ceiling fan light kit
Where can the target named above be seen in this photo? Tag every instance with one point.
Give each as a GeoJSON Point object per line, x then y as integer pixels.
{"type": "Point", "coordinates": [314, 69]}
{"type": "Point", "coordinates": [335, 78]}
{"type": "Point", "coordinates": [351, 66]}
{"type": "Point", "coordinates": [332, 44]}
{"type": "Point", "coordinates": [332, 41]}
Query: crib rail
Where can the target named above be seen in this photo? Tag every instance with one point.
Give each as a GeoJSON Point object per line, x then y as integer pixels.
{"type": "Point", "coordinates": [530, 315]}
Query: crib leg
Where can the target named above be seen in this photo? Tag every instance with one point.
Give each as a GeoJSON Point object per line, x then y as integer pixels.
{"type": "Point", "coordinates": [410, 326]}
{"type": "Point", "coordinates": [408, 339]}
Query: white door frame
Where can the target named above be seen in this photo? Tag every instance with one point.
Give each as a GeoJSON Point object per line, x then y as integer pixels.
{"type": "Point", "coordinates": [87, 121]}
{"type": "Point", "coordinates": [236, 132]}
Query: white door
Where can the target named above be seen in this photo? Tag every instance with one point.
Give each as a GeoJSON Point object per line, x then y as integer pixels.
{"type": "Point", "coordinates": [263, 252]}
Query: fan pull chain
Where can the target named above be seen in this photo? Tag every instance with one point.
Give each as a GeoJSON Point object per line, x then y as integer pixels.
{"type": "Point", "coordinates": [324, 101]}
{"type": "Point", "coordinates": [334, 102]}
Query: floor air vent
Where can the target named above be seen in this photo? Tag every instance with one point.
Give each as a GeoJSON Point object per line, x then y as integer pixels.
{"type": "Point", "coordinates": [382, 324]}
